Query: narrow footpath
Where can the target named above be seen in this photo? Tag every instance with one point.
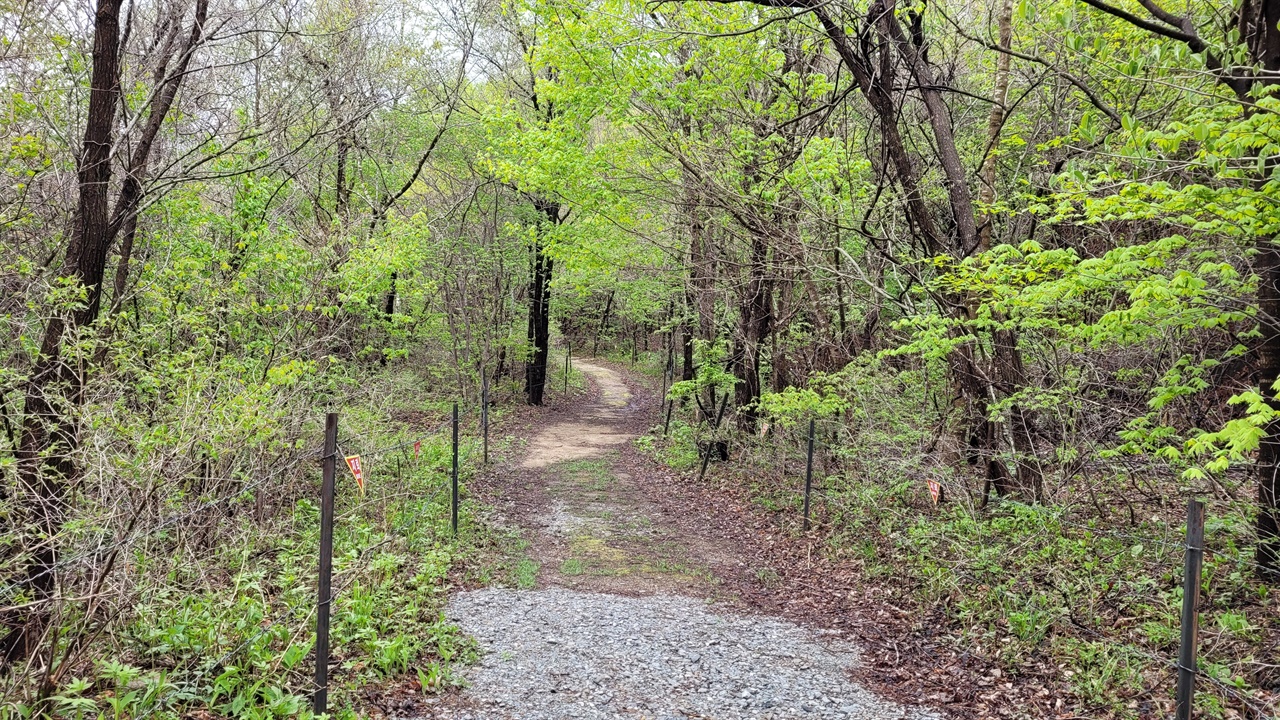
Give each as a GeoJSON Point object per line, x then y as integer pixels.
{"type": "Point", "coordinates": [628, 616]}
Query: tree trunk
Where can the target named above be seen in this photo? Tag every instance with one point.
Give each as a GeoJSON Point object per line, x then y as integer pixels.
{"type": "Point", "coordinates": [940, 121]}
{"type": "Point", "coordinates": [835, 258]}
{"type": "Point", "coordinates": [1006, 358]}
{"type": "Point", "coordinates": [539, 331]}
{"type": "Point", "coordinates": [50, 429]}
{"type": "Point", "coordinates": [603, 324]}
{"type": "Point", "coordinates": [1258, 23]}
{"type": "Point", "coordinates": [878, 88]}
{"type": "Point", "coordinates": [755, 321]}
{"type": "Point", "coordinates": [686, 353]}
{"type": "Point", "coordinates": [1012, 377]}
{"type": "Point", "coordinates": [1261, 26]}
{"type": "Point", "coordinates": [342, 191]}
{"type": "Point", "coordinates": [1268, 550]}
{"type": "Point", "coordinates": [46, 451]}
{"type": "Point", "coordinates": [702, 274]}
{"type": "Point", "coordinates": [388, 312]}
{"type": "Point", "coordinates": [995, 121]}
{"type": "Point", "coordinates": [124, 220]}
{"type": "Point", "coordinates": [779, 360]}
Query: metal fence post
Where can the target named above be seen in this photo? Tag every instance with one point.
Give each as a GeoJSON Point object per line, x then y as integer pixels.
{"type": "Point", "coordinates": [808, 477]}
{"type": "Point", "coordinates": [668, 379]}
{"type": "Point", "coordinates": [666, 373]}
{"type": "Point", "coordinates": [324, 596]}
{"type": "Point", "coordinates": [1190, 608]}
{"type": "Point", "coordinates": [484, 414]}
{"type": "Point", "coordinates": [454, 522]}
{"type": "Point", "coordinates": [568, 353]}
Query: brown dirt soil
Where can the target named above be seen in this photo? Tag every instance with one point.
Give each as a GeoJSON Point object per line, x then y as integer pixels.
{"type": "Point", "coordinates": [591, 524]}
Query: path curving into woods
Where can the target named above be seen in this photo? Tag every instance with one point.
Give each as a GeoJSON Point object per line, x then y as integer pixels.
{"type": "Point", "coordinates": [629, 617]}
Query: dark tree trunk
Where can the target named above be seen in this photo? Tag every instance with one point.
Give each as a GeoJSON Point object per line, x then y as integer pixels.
{"type": "Point", "coordinates": [388, 312]}
{"type": "Point", "coordinates": [49, 432]}
{"type": "Point", "coordinates": [755, 322]}
{"type": "Point", "coordinates": [342, 191]}
{"type": "Point", "coordinates": [700, 292]}
{"type": "Point", "coordinates": [1012, 377]}
{"type": "Point", "coordinates": [389, 308]}
{"type": "Point", "coordinates": [1268, 550]}
{"type": "Point", "coordinates": [878, 87]}
{"type": "Point", "coordinates": [953, 169]}
{"type": "Point", "coordinates": [124, 221]}
{"type": "Point", "coordinates": [1260, 25]}
{"type": "Point", "coordinates": [686, 353]}
{"type": "Point", "coordinates": [840, 309]}
{"type": "Point", "coordinates": [603, 324]}
{"type": "Point", "coordinates": [539, 332]}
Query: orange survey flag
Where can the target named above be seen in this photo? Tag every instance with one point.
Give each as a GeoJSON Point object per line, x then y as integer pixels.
{"type": "Point", "coordinates": [353, 462]}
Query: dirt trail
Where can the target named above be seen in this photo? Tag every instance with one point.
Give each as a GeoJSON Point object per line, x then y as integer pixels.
{"type": "Point", "coordinates": [593, 433]}
{"type": "Point", "coordinates": [599, 530]}
{"type": "Point", "coordinates": [628, 616]}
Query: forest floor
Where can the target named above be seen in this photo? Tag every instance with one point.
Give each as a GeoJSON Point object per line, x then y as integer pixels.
{"type": "Point", "coordinates": [635, 601]}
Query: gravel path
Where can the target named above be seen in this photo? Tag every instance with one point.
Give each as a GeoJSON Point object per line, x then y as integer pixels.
{"type": "Point", "coordinates": [558, 653]}
{"type": "Point", "coordinates": [624, 625]}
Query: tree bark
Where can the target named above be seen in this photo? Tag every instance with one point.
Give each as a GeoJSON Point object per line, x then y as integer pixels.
{"type": "Point", "coordinates": [702, 276]}
{"type": "Point", "coordinates": [754, 322]}
{"type": "Point", "coordinates": [342, 191]}
{"type": "Point", "coordinates": [940, 121]}
{"type": "Point", "coordinates": [49, 430]}
{"type": "Point", "coordinates": [124, 220]}
{"type": "Point", "coordinates": [539, 331]}
{"type": "Point", "coordinates": [877, 87]}
{"type": "Point", "coordinates": [1260, 26]}
{"type": "Point", "coordinates": [603, 324]}
{"type": "Point", "coordinates": [1267, 553]}
{"type": "Point", "coordinates": [995, 121]}
{"type": "Point", "coordinates": [686, 352]}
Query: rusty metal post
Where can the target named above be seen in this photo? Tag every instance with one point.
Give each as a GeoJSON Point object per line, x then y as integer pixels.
{"type": "Point", "coordinates": [1190, 608]}
{"type": "Point", "coordinates": [666, 426]}
{"type": "Point", "coordinates": [484, 414]}
{"type": "Point", "coordinates": [808, 477]}
{"type": "Point", "coordinates": [454, 522]}
{"type": "Point", "coordinates": [324, 598]}
{"type": "Point", "coordinates": [668, 379]}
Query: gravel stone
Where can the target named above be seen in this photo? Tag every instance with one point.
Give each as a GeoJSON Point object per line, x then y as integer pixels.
{"type": "Point", "coordinates": [558, 653]}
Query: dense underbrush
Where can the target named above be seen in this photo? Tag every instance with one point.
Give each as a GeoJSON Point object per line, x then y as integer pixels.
{"type": "Point", "coordinates": [1078, 595]}
{"type": "Point", "coordinates": [199, 594]}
